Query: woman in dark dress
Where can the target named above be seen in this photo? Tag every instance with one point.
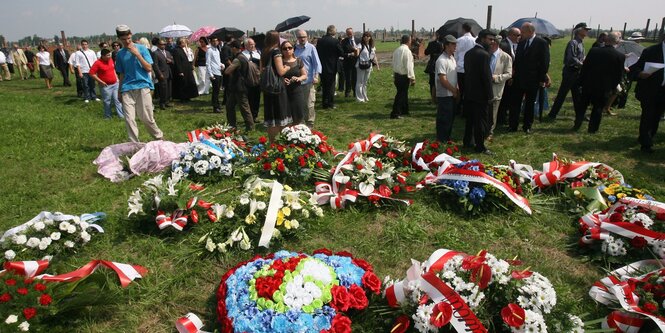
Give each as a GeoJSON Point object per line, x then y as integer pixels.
{"type": "Point", "coordinates": [275, 106]}
{"type": "Point", "coordinates": [184, 84]}
{"type": "Point", "coordinates": [292, 80]}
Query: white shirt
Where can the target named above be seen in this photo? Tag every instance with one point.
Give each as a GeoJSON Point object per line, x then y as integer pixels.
{"type": "Point", "coordinates": [445, 65]}
{"type": "Point", "coordinates": [213, 62]}
{"type": "Point", "coordinates": [513, 47]}
{"type": "Point", "coordinates": [252, 54]}
{"type": "Point", "coordinates": [366, 54]}
{"type": "Point", "coordinates": [403, 61]}
{"type": "Point", "coordinates": [72, 59]}
{"type": "Point", "coordinates": [3, 59]}
{"type": "Point", "coordinates": [189, 53]}
{"type": "Point", "coordinates": [44, 58]}
{"type": "Point", "coordinates": [84, 63]}
{"type": "Point", "coordinates": [464, 44]}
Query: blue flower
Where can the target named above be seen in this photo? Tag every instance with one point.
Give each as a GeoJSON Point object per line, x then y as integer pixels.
{"type": "Point", "coordinates": [477, 195]}
{"type": "Point", "coordinates": [612, 198]}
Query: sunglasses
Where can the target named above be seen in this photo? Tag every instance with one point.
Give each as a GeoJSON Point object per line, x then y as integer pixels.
{"type": "Point", "coordinates": [287, 48]}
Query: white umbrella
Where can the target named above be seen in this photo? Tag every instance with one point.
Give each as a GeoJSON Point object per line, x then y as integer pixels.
{"type": "Point", "coordinates": [175, 31]}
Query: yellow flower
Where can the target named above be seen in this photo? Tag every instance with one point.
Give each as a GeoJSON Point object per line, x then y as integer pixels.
{"type": "Point", "coordinates": [621, 195]}
{"type": "Point", "coordinates": [250, 219]}
{"type": "Point", "coordinates": [287, 188]}
{"type": "Point", "coordinates": [614, 186]}
{"type": "Point", "coordinates": [280, 217]}
{"type": "Point", "coordinates": [640, 196]}
{"type": "Point", "coordinates": [609, 190]}
{"type": "Point", "coordinates": [287, 224]}
{"type": "Point", "coordinates": [286, 211]}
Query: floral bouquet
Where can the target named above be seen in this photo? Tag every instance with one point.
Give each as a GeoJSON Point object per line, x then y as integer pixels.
{"type": "Point", "coordinates": [295, 292]}
{"type": "Point", "coordinates": [456, 292]}
{"type": "Point", "coordinates": [49, 234]}
{"type": "Point", "coordinates": [217, 133]}
{"type": "Point", "coordinates": [424, 155]}
{"type": "Point", "coordinates": [22, 302]}
{"type": "Point", "coordinates": [575, 174]}
{"type": "Point", "coordinates": [264, 210]}
{"type": "Point", "coordinates": [636, 294]}
{"type": "Point", "coordinates": [631, 227]}
{"type": "Point", "coordinates": [387, 148]}
{"type": "Point", "coordinates": [477, 187]}
{"type": "Point", "coordinates": [172, 204]}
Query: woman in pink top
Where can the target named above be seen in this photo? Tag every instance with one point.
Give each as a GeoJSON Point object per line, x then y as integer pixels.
{"type": "Point", "coordinates": [103, 71]}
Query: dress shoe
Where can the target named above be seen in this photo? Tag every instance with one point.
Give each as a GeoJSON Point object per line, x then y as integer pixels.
{"type": "Point", "coordinates": [395, 117]}
{"type": "Point", "coordinates": [511, 130]}
{"type": "Point", "coordinates": [647, 150]}
{"type": "Point", "coordinates": [217, 111]}
{"type": "Point", "coordinates": [527, 130]}
{"type": "Point", "coordinates": [576, 127]}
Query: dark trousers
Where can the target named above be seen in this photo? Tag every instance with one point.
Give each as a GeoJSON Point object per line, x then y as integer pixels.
{"type": "Point", "coordinates": [88, 87]}
{"type": "Point", "coordinates": [478, 123]}
{"type": "Point", "coordinates": [652, 112]}
{"type": "Point", "coordinates": [234, 98]}
{"type": "Point", "coordinates": [214, 94]}
{"type": "Point", "coordinates": [327, 90]}
{"type": "Point", "coordinates": [401, 102]}
{"type": "Point", "coordinates": [568, 83]}
{"type": "Point", "coordinates": [350, 74]}
{"type": "Point", "coordinates": [460, 86]}
{"type": "Point", "coordinates": [598, 103]}
{"type": "Point", "coordinates": [340, 72]}
{"type": "Point", "coordinates": [445, 115]}
{"type": "Point", "coordinates": [504, 105]}
{"type": "Point", "coordinates": [254, 98]}
{"type": "Point", "coordinates": [529, 96]}
{"type": "Point", "coordinates": [65, 76]}
{"type": "Point", "coordinates": [79, 83]}
{"type": "Point", "coordinates": [163, 91]}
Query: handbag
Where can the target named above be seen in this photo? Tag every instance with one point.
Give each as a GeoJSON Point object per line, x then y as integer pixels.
{"type": "Point", "coordinates": [364, 64]}
{"type": "Point", "coordinates": [269, 81]}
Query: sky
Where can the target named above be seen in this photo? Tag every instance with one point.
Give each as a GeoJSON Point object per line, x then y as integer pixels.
{"type": "Point", "coordinates": [80, 18]}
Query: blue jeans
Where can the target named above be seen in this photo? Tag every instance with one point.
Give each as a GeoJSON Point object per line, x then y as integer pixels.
{"type": "Point", "coordinates": [88, 87]}
{"type": "Point", "coordinates": [445, 114]}
{"type": "Point", "coordinates": [110, 94]}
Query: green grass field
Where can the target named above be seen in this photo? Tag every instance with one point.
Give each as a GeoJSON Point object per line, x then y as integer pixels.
{"type": "Point", "coordinates": [50, 139]}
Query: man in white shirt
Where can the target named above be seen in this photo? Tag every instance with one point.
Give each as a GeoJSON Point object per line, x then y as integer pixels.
{"type": "Point", "coordinates": [501, 67]}
{"type": "Point", "coordinates": [84, 60]}
{"type": "Point", "coordinates": [403, 76]}
{"type": "Point", "coordinates": [446, 89]}
{"type": "Point", "coordinates": [464, 44]}
{"type": "Point", "coordinates": [3, 67]}
{"type": "Point", "coordinates": [214, 67]}
{"type": "Point", "coordinates": [307, 52]}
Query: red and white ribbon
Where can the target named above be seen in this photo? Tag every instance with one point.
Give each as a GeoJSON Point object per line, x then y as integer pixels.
{"type": "Point", "coordinates": [126, 273]}
{"type": "Point", "coordinates": [190, 323]}
{"type": "Point", "coordinates": [623, 322]}
{"type": "Point", "coordinates": [618, 287]}
{"type": "Point", "coordinates": [599, 227]}
{"type": "Point", "coordinates": [555, 171]}
{"type": "Point", "coordinates": [177, 220]}
{"type": "Point", "coordinates": [197, 135]}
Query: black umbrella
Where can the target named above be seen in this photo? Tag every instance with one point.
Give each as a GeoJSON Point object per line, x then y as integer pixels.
{"type": "Point", "coordinates": [543, 27]}
{"type": "Point", "coordinates": [291, 23]}
{"type": "Point", "coordinates": [222, 33]}
{"type": "Point", "coordinates": [259, 40]}
{"type": "Point", "coordinates": [454, 27]}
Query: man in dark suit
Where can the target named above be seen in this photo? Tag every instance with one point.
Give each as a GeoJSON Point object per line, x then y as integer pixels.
{"type": "Point", "coordinates": [329, 50]}
{"type": "Point", "coordinates": [349, 47]}
{"type": "Point", "coordinates": [650, 91]}
{"type": "Point", "coordinates": [60, 58]}
{"type": "Point", "coordinates": [162, 60]}
{"type": "Point", "coordinates": [532, 61]}
{"type": "Point", "coordinates": [599, 77]}
{"type": "Point", "coordinates": [478, 75]}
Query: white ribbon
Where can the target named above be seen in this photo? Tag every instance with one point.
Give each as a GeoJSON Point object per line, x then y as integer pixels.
{"type": "Point", "coordinates": [190, 323]}
{"type": "Point", "coordinates": [271, 213]}
{"type": "Point", "coordinates": [57, 217]}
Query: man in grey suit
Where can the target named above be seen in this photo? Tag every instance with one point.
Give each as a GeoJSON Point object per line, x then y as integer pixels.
{"type": "Point", "coordinates": [162, 60]}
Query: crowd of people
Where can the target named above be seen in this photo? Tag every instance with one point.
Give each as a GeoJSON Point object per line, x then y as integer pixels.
{"type": "Point", "coordinates": [492, 80]}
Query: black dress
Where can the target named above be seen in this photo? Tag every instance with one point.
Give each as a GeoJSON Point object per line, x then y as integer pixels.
{"type": "Point", "coordinates": [275, 106]}
{"type": "Point", "coordinates": [294, 92]}
{"type": "Point", "coordinates": [184, 86]}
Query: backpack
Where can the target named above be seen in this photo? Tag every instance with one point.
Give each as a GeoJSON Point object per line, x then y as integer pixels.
{"type": "Point", "coordinates": [269, 81]}
{"type": "Point", "coordinates": [253, 74]}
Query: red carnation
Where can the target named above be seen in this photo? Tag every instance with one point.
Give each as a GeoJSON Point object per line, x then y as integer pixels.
{"type": "Point", "coordinates": [449, 151]}
{"type": "Point", "coordinates": [371, 282]}
{"type": "Point", "coordinates": [301, 161]}
{"type": "Point", "coordinates": [267, 166]}
{"type": "Point", "coordinates": [323, 251]}
{"type": "Point", "coordinates": [363, 264]}
{"type": "Point", "coordinates": [280, 148]}
{"type": "Point", "coordinates": [319, 165]}
{"type": "Point", "coordinates": [341, 324]}
{"type": "Point", "coordinates": [323, 149]}
{"type": "Point", "coordinates": [638, 242]}
{"type": "Point", "coordinates": [396, 189]}
{"type": "Point", "coordinates": [45, 299]}
{"type": "Point", "coordinates": [22, 291]}
{"type": "Point", "coordinates": [341, 300]}
{"type": "Point", "coordinates": [359, 166]}
{"type": "Point", "coordinates": [344, 254]}
{"type": "Point", "coordinates": [358, 297]}
{"type": "Point", "coordinates": [379, 165]}
{"type": "Point", "coordinates": [280, 167]}
{"type": "Point", "coordinates": [650, 307]}
{"type": "Point", "coordinates": [10, 282]}
{"type": "Point", "coordinates": [263, 140]}
{"type": "Point", "coordinates": [40, 287]}
{"type": "Point", "coordinates": [6, 297]}
{"type": "Point", "coordinates": [29, 313]}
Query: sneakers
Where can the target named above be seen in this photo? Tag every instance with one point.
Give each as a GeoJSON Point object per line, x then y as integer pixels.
{"type": "Point", "coordinates": [86, 101]}
{"type": "Point", "coordinates": [97, 100]}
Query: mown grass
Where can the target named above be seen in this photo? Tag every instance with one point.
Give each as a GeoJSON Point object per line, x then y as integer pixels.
{"type": "Point", "coordinates": [50, 139]}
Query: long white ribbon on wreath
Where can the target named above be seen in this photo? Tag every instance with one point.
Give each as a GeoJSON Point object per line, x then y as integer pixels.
{"type": "Point", "coordinates": [57, 217]}
{"type": "Point", "coordinates": [271, 214]}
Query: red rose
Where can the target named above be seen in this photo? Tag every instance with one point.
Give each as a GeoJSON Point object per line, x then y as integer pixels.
{"type": "Point", "coordinates": [280, 167]}
{"type": "Point", "coordinates": [371, 282]}
{"type": "Point", "coordinates": [267, 166]}
{"type": "Point", "coordinates": [263, 140]}
{"type": "Point", "coordinates": [280, 148]}
{"type": "Point", "coordinates": [45, 300]}
{"type": "Point", "coordinates": [29, 313]}
{"type": "Point", "coordinates": [434, 145]}
{"type": "Point", "coordinates": [616, 217]}
{"type": "Point", "coordinates": [324, 251]}
{"type": "Point", "coordinates": [344, 254]}
{"type": "Point", "coordinates": [358, 297]}
{"type": "Point", "coordinates": [301, 161]}
{"type": "Point", "coordinates": [40, 287]}
{"type": "Point", "coordinates": [10, 282]}
{"type": "Point", "coordinates": [513, 315]}
{"type": "Point", "coordinates": [401, 324]}
{"type": "Point", "coordinates": [341, 324]}
{"type": "Point", "coordinates": [396, 189]}
{"type": "Point", "coordinates": [323, 149]}
{"type": "Point", "coordinates": [385, 190]}
{"type": "Point", "coordinates": [341, 300]}
{"type": "Point", "coordinates": [363, 264]}
{"type": "Point", "coordinates": [449, 151]}
{"type": "Point", "coordinates": [319, 165]}
{"type": "Point", "coordinates": [22, 291]}
{"type": "Point", "coordinates": [650, 307]}
{"type": "Point", "coordinates": [359, 166]}
{"type": "Point", "coordinates": [638, 242]}
{"type": "Point", "coordinates": [6, 297]}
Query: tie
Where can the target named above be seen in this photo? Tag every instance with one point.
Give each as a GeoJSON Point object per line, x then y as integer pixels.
{"type": "Point", "coordinates": [528, 43]}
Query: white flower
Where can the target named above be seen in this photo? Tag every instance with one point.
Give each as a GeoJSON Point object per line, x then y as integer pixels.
{"type": "Point", "coordinates": [32, 242]}
{"type": "Point", "coordinates": [260, 205]}
{"type": "Point", "coordinates": [201, 167]}
{"type": "Point", "coordinates": [244, 199]}
{"type": "Point", "coordinates": [84, 225]}
{"type": "Point", "coordinates": [210, 245]}
{"type": "Point", "coordinates": [24, 326]}
{"type": "Point", "coordinates": [229, 213]}
{"type": "Point", "coordinates": [9, 254]}
{"type": "Point", "coordinates": [11, 319]}
{"type": "Point", "coordinates": [44, 243]}
{"type": "Point", "coordinates": [20, 239]}
{"type": "Point", "coordinates": [305, 213]}
{"type": "Point", "coordinates": [39, 226]}
{"type": "Point", "coordinates": [85, 237]}
{"type": "Point", "coordinates": [295, 224]}
{"type": "Point", "coordinates": [215, 161]}
{"type": "Point", "coordinates": [69, 244]}
{"type": "Point", "coordinates": [134, 203]}
{"type": "Point", "coordinates": [221, 247]}
{"type": "Point", "coordinates": [64, 226]}
{"type": "Point", "coordinates": [48, 221]}
{"type": "Point", "coordinates": [55, 235]}
{"type": "Point", "coordinates": [71, 229]}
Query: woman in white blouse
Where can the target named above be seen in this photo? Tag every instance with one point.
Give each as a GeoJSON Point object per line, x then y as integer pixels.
{"type": "Point", "coordinates": [45, 66]}
{"type": "Point", "coordinates": [366, 59]}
